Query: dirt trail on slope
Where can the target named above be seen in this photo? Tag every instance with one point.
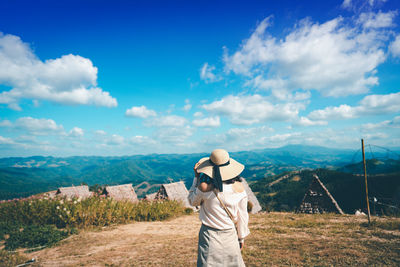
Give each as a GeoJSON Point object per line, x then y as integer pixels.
{"type": "Point", "coordinates": [142, 243]}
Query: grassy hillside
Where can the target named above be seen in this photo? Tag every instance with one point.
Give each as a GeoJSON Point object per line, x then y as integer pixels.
{"type": "Point", "coordinates": [348, 189]}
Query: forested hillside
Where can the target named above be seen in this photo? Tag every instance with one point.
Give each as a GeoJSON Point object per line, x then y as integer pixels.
{"type": "Point", "coordinates": [285, 192]}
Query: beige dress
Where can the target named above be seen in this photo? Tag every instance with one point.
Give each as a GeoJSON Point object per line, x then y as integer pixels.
{"type": "Point", "coordinates": [218, 240]}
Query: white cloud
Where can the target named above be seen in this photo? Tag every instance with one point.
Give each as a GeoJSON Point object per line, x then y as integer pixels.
{"type": "Point", "coordinates": [116, 140]}
{"type": "Point", "coordinates": [70, 79]}
{"type": "Point", "coordinates": [37, 126]}
{"type": "Point", "coordinates": [395, 123]}
{"type": "Point", "coordinates": [358, 5]}
{"type": "Point", "coordinates": [369, 105]}
{"type": "Point", "coordinates": [377, 20]}
{"type": "Point", "coordinates": [346, 4]}
{"type": "Point", "coordinates": [100, 132]}
{"type": "Point", "coordinates": [175, 135]}
{"type": "Point", "coordinates": [168, 121]}
{"type": "Point", "coordinates": [5, 123]}
{"type": "Point", "coordinates": [187, 106]}
{"type": "Point", "coordinates": [333, 113]}
{"type": "Point", "coordinates": [140, 112]}
{"type": "Point", "coordinates": [238, 138]}
{"type": "Point", "coordinates": [198, 114]}
{"type": "Point", "coordinates": [394, 47]}
{"type": "Point", "coordinates": [235, 134]}
{"type": "Point", "coordinates": [206, 73]}
{"type": "Point", "coordinates": [246, 110]}
{"type": "Point", "coordinates": [6, 141]}
{"type": "Point", "coordinates": [76, 132]}
{"type": "Point", "coordinates": [141, 140]}
{"type": "Point", "coordinates": [207, 122]}
{"type": "Point", "coordinates": [304, 121]}
{"type": "Point", "coordinates": [332, 57]}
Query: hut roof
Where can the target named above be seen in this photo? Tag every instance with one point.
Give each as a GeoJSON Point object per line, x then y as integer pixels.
{"type": "Point", "coordinates": [251, 197]}
{"type": "Point", "coordinates": [121, 192]}
{"type": "Point", "coordinates": [174, 191]}
{"type": "Point", "coordinates": [151, 196]}
{"type": "Point", "coordinates": [81, 191]}
{"type": "Point", "coordinates": [318, 199]}
{"type": "Point", "coordinates": [50, 194]}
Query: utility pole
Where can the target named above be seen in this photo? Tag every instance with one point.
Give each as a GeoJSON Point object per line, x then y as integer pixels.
{"type": "Point", "coordinates": [366, 183]}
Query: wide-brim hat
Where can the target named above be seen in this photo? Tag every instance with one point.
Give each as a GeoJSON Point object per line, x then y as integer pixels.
{"type": "Point", "coordinates": [228, 167]}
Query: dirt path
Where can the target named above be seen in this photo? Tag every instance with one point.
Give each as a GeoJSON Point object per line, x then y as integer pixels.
{"type": "Point", "coordinates": [137, 244]}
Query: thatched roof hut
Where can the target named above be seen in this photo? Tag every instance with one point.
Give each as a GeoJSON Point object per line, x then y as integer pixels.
{"type": "Point", "coordinates": [50, 194]}
{"type": "Point", "coordinates": [318, 199]}
{"type": "Point", "coordinates": [151, 196]}
{"type": "Point", "coordinates": [174, 191]}
{"type": "Point", "coordinates": [121, 192]}
{"type": "Point", "coordinates": [256, 207]}
{"type": "Point", "coordinates": [81, 191]}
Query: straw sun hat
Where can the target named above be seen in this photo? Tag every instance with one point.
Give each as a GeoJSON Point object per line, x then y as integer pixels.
{"type": "Point", "coordinates": [228, 167]}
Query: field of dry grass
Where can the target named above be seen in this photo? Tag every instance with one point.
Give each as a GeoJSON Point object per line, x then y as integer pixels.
{"type": "Point", "coordinates": [277, 239]}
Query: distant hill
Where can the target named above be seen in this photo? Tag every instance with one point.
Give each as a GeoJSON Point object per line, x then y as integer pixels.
{"type": "Point", "coordinates": [285, 192]}
{"type": "Point", "coordinates": [24, 176]}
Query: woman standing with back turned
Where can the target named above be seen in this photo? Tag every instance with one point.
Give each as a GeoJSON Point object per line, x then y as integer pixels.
{"type": "Point", "coordinates": [217, 188]}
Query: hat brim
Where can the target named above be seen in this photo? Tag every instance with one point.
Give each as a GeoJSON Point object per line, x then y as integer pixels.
{"type": "Point", "coordinates": [227, 172]}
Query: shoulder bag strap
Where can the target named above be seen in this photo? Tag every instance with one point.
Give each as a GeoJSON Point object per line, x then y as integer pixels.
{"type": "Point", "coordinates": [225, 208]}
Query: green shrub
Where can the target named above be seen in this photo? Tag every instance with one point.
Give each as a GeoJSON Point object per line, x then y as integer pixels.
{"type": "Point", "coordinates": [35, 236]}
{"type": "Point", "coordinates": [11, 259]}
{"type": "Point", "coordinates": [188, 211]}
{"type": "Point", "coordinates": [94, 211]}
{"type": "Point", "coordinates": [7, 228]}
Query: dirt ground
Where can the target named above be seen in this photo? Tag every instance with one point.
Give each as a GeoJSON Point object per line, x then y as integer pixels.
{"type": "Point", "coordinates": [137, 244]}
{"type": "Point", "coordinates": [276, 239]}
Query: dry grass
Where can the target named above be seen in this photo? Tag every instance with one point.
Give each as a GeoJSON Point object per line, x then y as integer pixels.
{"type": "Point", "coordinates": [276, 239]}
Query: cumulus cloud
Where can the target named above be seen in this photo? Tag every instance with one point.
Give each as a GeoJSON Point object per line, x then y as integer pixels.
{"type": "Point", "coordinates": [238, 138]}
{"type": "Point", "coordinates": [206, 73]}
{"type": "Point", "coordinates": [369, 105]}
{"type": "Point", "coordinates": [35, 126]}
{"type": "Point", "coordinates": [142, 140]}
{"type": "Point", "coordinates": [76, 132]}
{"type": "Point", "coordinates": [115, 140]}
{"type": "Point", "coordinates": [395, 123]}
{"type": "Point", "coordinates": [207, 122]}
{"type": "Point", "coordinates": [250, 109]}
{"type": "Point", "coordinates": [100, 132]}
{"type": "Point", "coordinates": [304, 121]}
{"type": "Point", "coordinates": [198, 114]}
{"type": "Point", "coordinates": [167, 121]}
{"type": "Point", "coordinates": [333, 58]}
{"type": "Point", "coordinates": [70, 79]}
{"type": "Point", "coordinates": [6, 141]}
{"type": "Point", "coordinates": [394, 47]}
{"type": "Point", "coordinates": [358, 5]}
{"type": "Point", "coordinates": [175, 135]}
{"type": "Point", "coordinates": [377, 20]}
{"type": "Point", "coordinates": [187, 106]}
{"type": "Point", "coordinates": [140, 112]}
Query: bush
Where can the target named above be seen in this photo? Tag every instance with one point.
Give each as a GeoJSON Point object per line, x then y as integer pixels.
{"type": "Point", "coordinates": [35, 236]}
{"type": "Point", "coordinates": [8, 228]}
{"type": "Point", "coordinates": [11, 259]}
{"type": "Point", "coordinates": [94, 211]}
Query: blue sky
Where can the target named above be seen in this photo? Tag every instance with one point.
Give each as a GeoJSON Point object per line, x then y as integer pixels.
{"type": "Point", "coordinates": [138, 77]}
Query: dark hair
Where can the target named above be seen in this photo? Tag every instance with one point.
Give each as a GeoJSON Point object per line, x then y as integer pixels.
{"type": "Point", "coordinates": [207, 179]}
{"type": "Point", "coordinates": [231, 181]}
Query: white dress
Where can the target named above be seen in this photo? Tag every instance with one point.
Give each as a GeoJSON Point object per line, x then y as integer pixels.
{"type": "Point", "coordinates": [218, 239]}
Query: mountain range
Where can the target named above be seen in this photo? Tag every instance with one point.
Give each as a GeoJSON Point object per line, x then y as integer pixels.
{"type": "Point", "coordinates": [24, 176]}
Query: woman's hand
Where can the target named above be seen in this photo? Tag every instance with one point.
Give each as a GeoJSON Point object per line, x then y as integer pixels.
{"type": "Point", "coordinates": [204, 187]}
{"type": "Point", "coordinates": [241, 245]}
{"type": "Point", "coordinates": [196, 174]}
